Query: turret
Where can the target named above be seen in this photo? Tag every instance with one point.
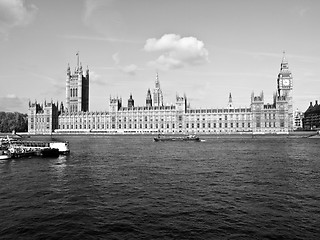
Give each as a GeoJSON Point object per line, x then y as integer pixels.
{"type": "Point", "coordinates": [115, 104]}
{"type": "Point", "coordinates": [149, 99]}
{"type": "Point", "coordinates": [61, 107]}
{"type": "Point", "coordinates": [157, 94]}
{"type": "Point", "coordinates": [87, 73]}
{"type": "Point", "coordinates": [230, 104]}
{"type": "Point", "coordinates": [130, 102]}
{"type": "Point", "coordinates": [181, 103]}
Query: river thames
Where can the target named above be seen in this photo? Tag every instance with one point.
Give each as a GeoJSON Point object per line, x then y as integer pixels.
{"type": "Point", "coordinates": [129, 187]}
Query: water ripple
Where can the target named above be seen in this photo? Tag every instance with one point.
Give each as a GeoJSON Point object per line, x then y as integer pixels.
{"type": "Point", "coordinates": [128, 187]}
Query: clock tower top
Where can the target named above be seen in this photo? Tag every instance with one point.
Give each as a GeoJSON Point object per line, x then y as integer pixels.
{"type": "Point", "coordinates": [284, 80]}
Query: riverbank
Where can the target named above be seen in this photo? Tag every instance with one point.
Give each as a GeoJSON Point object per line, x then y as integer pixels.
{"type": "Point", "coordinates": [295, 134]}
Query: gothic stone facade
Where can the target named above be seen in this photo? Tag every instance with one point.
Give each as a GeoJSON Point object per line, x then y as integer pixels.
{"type": "Point", "coordinates": [42, 118]}
{"type": "Point", "coordinates": [259, 118]}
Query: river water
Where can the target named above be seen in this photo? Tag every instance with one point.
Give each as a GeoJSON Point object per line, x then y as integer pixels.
{"type": "Point", "coordinates": [129, 187]}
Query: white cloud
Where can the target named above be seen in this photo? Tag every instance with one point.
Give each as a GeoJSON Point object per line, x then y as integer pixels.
{"type": "Point", "coordinates": [11, 103]}
{"type": "Point", "coordinates": [104, 18]}
{"type": "Point", "coordinates": [130, 69]}
{"type": "Point", "coordinates": [15, 13]}
{"type": "Point", "coordinates": [96, 78]}
{"type": "Point", "coordinates": [177, 52]}
{"type": "Point", "coordinates": [301, 11]}
{"type": "Point", "coordinates": [116, 58]}
{"type": "Point", "coordinates": [11, 96]}
{"type": "Point", "coordinates": [90, 6]}
{"type": "Point", "coordinates": [96, 38]}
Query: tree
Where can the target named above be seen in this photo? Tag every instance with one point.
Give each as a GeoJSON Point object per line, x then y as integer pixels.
{"type": "Point", "coordinates": [13, 122]}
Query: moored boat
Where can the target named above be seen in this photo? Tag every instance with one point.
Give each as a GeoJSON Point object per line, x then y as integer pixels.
{"type": "Point", "coordinates": [4, 155]}
{"type": "Point", "coordinates": [19, 152]}
{"type": "Point", "coordinates": [17, 148]}
{"type": "Point", "coordinates": [63, 147]}
{"type": "Point", "coordinates": [48, 152]}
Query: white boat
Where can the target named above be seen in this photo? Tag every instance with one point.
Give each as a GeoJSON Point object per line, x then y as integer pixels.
{"type": "Point", "coordinates": [63, 147]}
{"type": "Point", "coordinates": [4, 155]}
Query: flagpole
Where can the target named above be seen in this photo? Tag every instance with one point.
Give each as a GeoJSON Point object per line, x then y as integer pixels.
{"type": "Point", "coordinates": [78, 59]}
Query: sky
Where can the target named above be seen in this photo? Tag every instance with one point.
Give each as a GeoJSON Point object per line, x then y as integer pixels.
{"type": "Point", "coordinates": [205, 49]}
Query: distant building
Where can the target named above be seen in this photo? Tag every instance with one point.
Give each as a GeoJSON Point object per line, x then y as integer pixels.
{"type": "Point", "coordinates": [311, 120]}
{"type": "Point", "coordinates": [155, 117]}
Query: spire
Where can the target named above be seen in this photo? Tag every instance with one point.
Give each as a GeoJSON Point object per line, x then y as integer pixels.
{"type": "Point", "coordinates": [157, 81]}
{"type": "Point", "coordinates": [230, 105]}
{"type": "Point", "coordinates": [284, 60]}
{"type": "Point", "coordinates": [68, 70]}
{"type": "Point", "coordinates": [284, 63]}
{"type": "Point", "coordinates": [230, 98]}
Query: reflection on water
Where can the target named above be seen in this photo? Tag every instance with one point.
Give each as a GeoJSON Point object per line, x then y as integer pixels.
{"type": "Point", "coordinates": [59, 165]}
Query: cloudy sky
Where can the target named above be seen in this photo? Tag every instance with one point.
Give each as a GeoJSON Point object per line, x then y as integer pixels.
{"type": "Point", "coordinates": [203, 48]}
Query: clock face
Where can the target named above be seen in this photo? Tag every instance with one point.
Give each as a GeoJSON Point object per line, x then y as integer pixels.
{"type": "Point", "coordinates": [286, 82]}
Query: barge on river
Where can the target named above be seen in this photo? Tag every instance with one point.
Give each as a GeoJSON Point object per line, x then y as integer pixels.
{"type": "Point", "coordinates": [189, 138]}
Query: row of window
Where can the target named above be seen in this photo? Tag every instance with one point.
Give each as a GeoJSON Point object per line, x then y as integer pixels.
{"type": "Point", "coordinates": [39, 127]}
{"type": "Point", "coordinates": [156, 126]}
{"type": "Point", "coordinates": [158, 117]}
{"type": "Point", "coordinates": [269, 124]}
{"type": "Point", "coordinates": [40, 119]}
{"type": "Point", "coordinates": [125, 119]}
{"type": "Point", "coordinates": [73, 108]}
{"type": "Point", "coordinates": [219, 110]}
{"type": "Point", "coordinates": [74, 92]}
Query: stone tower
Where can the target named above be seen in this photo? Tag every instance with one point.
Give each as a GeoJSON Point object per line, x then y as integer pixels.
{"type": "Point", "coordinates": [77, 89]}
{"type": "Point", "coordinates": [285, 88]}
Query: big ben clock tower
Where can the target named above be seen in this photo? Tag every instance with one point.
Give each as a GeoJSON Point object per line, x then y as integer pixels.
{"type": "Point", "coordinates": [284, 88]}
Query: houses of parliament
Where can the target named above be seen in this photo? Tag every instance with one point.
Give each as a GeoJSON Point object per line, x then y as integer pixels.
{"type": "Point", "coordinates": [74, 117]}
